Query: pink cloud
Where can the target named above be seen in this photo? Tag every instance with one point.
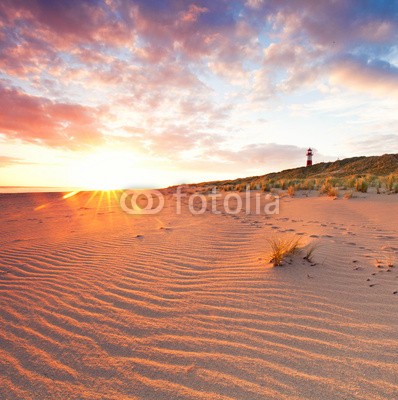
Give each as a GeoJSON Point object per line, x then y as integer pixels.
{"type": "Point", "coordinates": [8, 161]}
{"type": "Point", "coordinates": [39, 120]}
{"type": "Point", "coordinates": [193, 13]}
{"type": "Point", "coordinates": [380, 78]}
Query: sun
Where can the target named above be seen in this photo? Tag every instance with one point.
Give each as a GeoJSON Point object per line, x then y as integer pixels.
{"type": "Point", "coordinates": [104, 170]}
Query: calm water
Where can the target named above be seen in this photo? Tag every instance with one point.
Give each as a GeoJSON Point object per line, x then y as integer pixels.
{"type": "Point", "coordinates": [34, 189]}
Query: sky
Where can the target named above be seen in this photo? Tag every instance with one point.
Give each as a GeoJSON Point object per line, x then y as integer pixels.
{"type": "Point", "coordinates": [150, 93]}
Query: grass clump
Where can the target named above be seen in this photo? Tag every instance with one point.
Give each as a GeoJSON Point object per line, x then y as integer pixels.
{"type": "Point", "coordinates": [361, 185]}
{"type": "Point", "coordinates": [329, 187]}
{"type": "Point", "coordinates": [333, 192]}
{"type": "Point", "coordinates": [266, 187]}
{"type": "Point", "coordinates": [325, 188]}
{"type": "Point", "coordinates": [283, 247]}
{"type": "Point", "coordinates": [291, 191]}
{"type": "Point", "coordinates": [329, 190]}
{"type": "Point", "coordinates": [390, 181]}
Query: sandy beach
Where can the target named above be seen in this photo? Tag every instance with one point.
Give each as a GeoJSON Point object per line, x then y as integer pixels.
{"type": "Point", "coordinates": [99, 304]}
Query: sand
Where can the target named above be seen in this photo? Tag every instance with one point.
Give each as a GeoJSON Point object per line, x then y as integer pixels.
{"type": "Point", "coordinates": [98, 304]}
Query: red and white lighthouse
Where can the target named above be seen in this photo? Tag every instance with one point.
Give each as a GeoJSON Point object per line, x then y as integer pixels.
{"type": "Point", "coordinates": [309, 157]}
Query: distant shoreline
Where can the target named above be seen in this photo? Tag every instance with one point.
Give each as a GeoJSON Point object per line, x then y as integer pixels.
{"type": "Point", "coordinates": [35, 189]}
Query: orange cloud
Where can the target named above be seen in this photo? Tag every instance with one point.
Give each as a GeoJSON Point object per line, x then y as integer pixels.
{"type": "Point", "coordinates": [39, 120]}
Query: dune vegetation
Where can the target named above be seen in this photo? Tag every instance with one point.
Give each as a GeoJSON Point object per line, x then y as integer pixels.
{"type": "Point", "coordinates": [358, 174]}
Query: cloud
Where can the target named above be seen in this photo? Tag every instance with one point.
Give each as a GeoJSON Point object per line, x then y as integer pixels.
{"type": "Point", "coordinates": [194, 147]}
{"type": "Point", "coordinates": [267, 154]}
{"type": "Point", "coordinates": [193, 13]}
{"type": "Point", "coordinates": [6, 161]}
{"type": "Point", "coordinates": [376, 144]}
{"type": "Point", "coordinates": [373, 76]}
{"type": "Point", "coordinates": [117, 41]}
{"type": "Point", "coordinates": [307, 39]}
{"type": "Point", "coordinates": [39, 120]}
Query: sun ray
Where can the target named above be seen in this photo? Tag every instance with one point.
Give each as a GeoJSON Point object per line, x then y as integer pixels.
{"type": "Point", "coordinates": [92, 196]}
{"type": "Point", "coordinates": [70, 194]}
{"type": "Point", "coordinates": [99, 201]}
{"type": "Point", "coordinates": [108, 199]}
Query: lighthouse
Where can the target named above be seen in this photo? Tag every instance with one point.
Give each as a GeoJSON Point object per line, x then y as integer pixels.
{"type": "Point", "coordinates": [309, 157]}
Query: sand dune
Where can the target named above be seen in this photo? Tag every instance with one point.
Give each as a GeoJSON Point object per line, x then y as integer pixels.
{"type": "Point", "coordinates": [98, 304]}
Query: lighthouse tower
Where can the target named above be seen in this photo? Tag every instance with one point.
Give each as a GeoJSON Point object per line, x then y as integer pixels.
{"type": "Point", "coordinates": [309, 157]}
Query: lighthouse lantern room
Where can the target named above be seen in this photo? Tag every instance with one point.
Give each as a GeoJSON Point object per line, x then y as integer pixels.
{"type": "Point", "coordinates": [309, 157]}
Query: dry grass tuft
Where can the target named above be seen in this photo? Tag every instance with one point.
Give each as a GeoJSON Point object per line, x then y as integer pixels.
{"type": "Point", "coordinates": [291, 191]}
{"type": "Point", "coordinates": [361, 185]}
{"type": "Point", "coordinates": [282, 247]}
{"type": "Point", "coordinates": [333, 192]}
